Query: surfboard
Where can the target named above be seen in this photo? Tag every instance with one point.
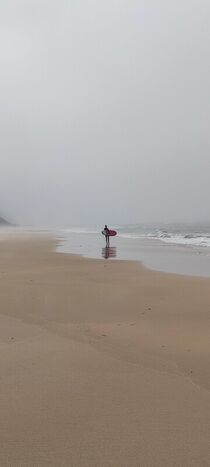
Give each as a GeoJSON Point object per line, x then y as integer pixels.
{"type": "Point", "coordinates": [112, 233]}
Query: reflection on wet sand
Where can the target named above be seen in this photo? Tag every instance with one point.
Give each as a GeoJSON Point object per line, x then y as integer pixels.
{"type": "Point", "coordinates": [109, 252]}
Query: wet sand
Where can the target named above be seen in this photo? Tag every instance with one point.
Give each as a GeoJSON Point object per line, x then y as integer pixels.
{"type": "Point", "coordinates": [153, 253]}
{"type": "Point", "coordinates": [102, 363]}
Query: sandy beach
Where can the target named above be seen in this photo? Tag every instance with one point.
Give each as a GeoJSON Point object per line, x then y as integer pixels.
{"type": "Point", "coordinates": [101, 363]}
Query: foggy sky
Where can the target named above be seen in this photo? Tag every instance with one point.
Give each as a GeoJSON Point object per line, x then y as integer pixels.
{"type": "Point", "coordinates": [105, 111]}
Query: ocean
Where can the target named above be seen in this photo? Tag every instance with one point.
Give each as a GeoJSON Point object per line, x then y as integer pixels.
{"type": "Point", "coordinates": [177, 233]}
{"type": "Point", "coordinates": [180, 234]}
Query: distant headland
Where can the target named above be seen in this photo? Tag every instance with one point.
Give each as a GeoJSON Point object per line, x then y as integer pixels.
{"type": "Point", "coordinates": [4, 222]}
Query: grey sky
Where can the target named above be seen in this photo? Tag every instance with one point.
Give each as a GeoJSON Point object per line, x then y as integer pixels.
{"type": "Point", "coordinates": [105, 110]}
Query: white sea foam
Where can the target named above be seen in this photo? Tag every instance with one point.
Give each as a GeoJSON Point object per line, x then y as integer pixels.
{"type": "Point", "coordinates": [188, 239]}
{"type": "Point", "coordinates": [200, 241]}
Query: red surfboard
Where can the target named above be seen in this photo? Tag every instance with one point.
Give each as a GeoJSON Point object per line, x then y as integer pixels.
{"type": "Point", "coordinates": [112, 233]}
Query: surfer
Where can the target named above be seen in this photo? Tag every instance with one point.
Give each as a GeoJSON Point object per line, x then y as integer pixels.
{"type": "Point", "coordinates": [107, 232]}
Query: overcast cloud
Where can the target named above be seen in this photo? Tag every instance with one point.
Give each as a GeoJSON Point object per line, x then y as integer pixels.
{"type": "Point", "coordinates": [105, 110]}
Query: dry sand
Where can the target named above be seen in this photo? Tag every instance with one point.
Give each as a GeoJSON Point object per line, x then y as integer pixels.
{"type": "Point", "coordinates": [101, 363]}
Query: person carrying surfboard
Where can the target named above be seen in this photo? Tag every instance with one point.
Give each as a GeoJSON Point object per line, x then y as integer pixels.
{"type": "Point", "coordinates": [107, 232]}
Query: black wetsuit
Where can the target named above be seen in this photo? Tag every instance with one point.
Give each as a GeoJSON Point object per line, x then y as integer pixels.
{"type": "Point", "coordinates": [107, 235]}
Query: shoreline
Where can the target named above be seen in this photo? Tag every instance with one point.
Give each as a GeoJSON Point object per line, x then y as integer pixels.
{"type": "Point", "coordinates": [154, 254]}
{"type": "Point", "coordinates": [102, 363]}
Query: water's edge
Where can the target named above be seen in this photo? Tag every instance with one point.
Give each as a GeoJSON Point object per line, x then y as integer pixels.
{"type": "Point", "coordinates": [154, 254]}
